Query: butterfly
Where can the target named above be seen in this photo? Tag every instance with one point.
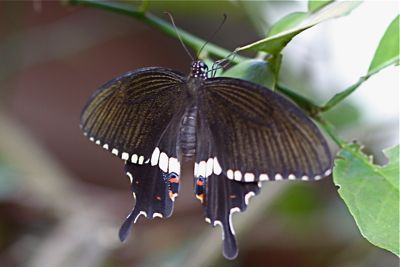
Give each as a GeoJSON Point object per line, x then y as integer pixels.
{"type": "Point", "coordinates": [239, 134]}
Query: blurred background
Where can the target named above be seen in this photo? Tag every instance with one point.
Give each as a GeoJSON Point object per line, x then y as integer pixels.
{"type": "Point", "coordinates": [63, 199]}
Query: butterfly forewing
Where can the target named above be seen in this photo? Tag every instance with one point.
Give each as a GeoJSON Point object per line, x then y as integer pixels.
{"type": "Point", "coordinates": [128, 115]}
{"type": "Point", "coordinates": [260, 134]}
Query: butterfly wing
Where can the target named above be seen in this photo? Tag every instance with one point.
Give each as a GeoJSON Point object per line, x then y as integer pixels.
{"type": "Point", "coordinates": [155, 187]}
{"type": "Point", "coordinates": [129, 114]}
{"type": "Point", "coordinates": [260, 134]}
{"type": "Point", "coordinates": [154, 192]}
{"type": "Point", "coordinates": [136, 117]}
{"type": "Point", "coordinates": [220, 197]}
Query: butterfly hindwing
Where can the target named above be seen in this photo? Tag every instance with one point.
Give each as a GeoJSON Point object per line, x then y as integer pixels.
{"type": "Point", "coordinates": [221, 199]}
{"type": "Point", "coordinates": [220, 196]}
{"type": "Point", "coordinates": [128, 115]}
{"type": "Point", "coordinates": [155, 184]}
{"type": "Point", "coordinates": [149, 187]}
{"type": "Point", "coordinates": [260, 134]}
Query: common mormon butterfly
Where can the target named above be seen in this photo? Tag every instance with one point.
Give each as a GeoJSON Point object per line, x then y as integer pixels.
{"type": "Point", "coordinates": [238, 132]}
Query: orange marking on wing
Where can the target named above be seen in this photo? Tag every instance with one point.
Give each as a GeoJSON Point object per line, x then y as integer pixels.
{"type": "Point", "coordinates": [200, 183]}
{"type": "Point", "coordinates": [174, 180]}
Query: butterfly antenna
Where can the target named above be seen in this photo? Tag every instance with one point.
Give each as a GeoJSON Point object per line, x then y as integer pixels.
{"type": "Point", "coordinates": [212, 35]}
{"type": "Point", "coordinates": [179, 36]}
{"type": "Point", "coordinates": [222, 63]}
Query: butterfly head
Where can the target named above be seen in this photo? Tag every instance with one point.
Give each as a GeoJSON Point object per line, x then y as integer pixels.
{"type": "Point", "coordinates": [199, 69]}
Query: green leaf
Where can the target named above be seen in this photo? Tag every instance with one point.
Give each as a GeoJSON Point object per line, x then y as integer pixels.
{"type": "Point", "coordinates": [345, 115]}
{"type": "Point", "coordinates": [371, 193]}
{"type": "Point", "coordinates": [275, 43]}
{"type": "Point", "coordinates": [388, 51]}
{"type": "Point", "coordinates": [287, 22]}
{"type": "Point", "coordinates": [299, 200]}
{"type": "Point", "coordinates": [254, 70]}
{"type": "Point", "coordinates": [314, 5]}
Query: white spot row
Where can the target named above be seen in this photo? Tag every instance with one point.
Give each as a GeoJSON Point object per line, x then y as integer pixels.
{"type": "Point", "coordinates": [206, 168]}
{"type": "Point", "coordinates": [250, 177]}
{"type": "Point", "coordinates": [166, 164]}
{"type": "Point", "coordinates": [137, 159]}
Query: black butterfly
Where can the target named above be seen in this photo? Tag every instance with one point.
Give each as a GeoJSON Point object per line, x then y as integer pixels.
{"type": "Point", "coordinates": [239, 132]}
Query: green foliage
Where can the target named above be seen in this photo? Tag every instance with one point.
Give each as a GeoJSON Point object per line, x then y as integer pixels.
{"type": "Point", "coordinates": [255, 70]}
{"type": "Point", "coordinates": [274, 44]}
{"type": "Point", "coordinates": [314, 5]}
{"type": "Point", "coordinates": [344, 115]}
{"type": "Point", "coordinates": [288, 22]}
{"type": "Point", "coordinates": [371, 193]}
{"type": "Point", "coordinates": [388, 51]}
{"type": "Point", "coordinates": [300, 200]}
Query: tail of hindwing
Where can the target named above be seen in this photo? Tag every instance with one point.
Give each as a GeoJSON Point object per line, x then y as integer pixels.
{"type": "Point", "coordinates": [154, 191]}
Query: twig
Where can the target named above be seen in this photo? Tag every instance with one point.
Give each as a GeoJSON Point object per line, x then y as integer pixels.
{"type": "Point", "coordinates": [193, 41]}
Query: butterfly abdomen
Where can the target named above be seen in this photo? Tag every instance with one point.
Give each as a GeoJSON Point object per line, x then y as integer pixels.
{"type": "Point", "coordinates": [187, 132]}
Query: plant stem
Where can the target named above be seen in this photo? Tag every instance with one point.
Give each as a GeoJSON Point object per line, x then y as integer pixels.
{"type": "Point", "coordinates": [339, 97]}
{"type": "Point", "coordinates": [194, 42]}
{"type": "Point", "coordinates": [329, 129]}
{"type": "Point", "coordinates": [306, 104]}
